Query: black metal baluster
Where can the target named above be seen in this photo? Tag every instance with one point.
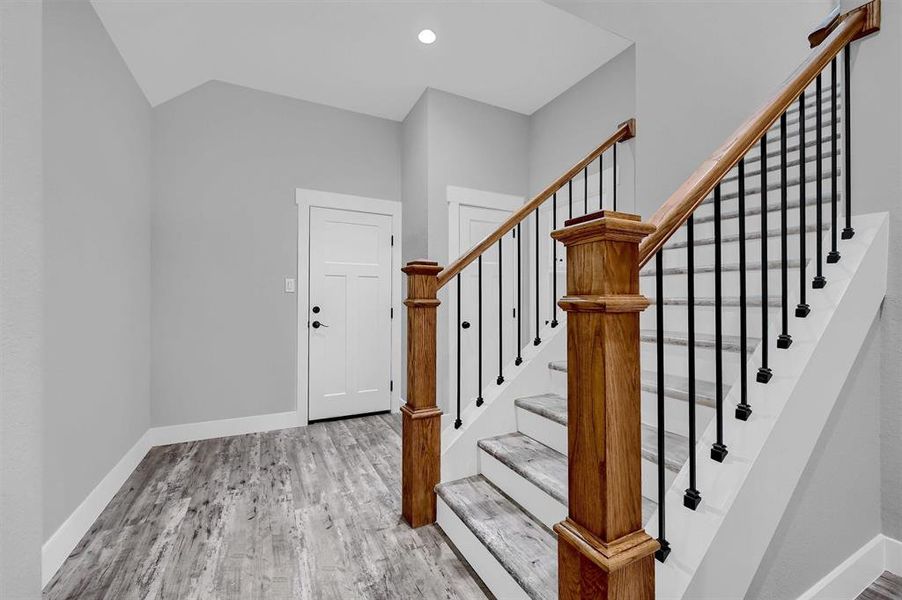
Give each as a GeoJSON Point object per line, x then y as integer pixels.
{"type": "Point", "coordinates": [479, 398]}
{"type": "Point", "coordinates": [848, 232]}
{"type": "Point", "coordinates": [719, 449]}
{"type": "Point", "coordinates": [819, 279]}
{"type": "Point", "coordinates": [519, 360]}
{"type": "Point", "coordinates": [692, 497]}
{"type": "Point", "coordinates": [784, 340]}
{"type": "Point", "coordinates": [802, 309]}
{"type": "Point", "coordinates": [743, 410]}
{"type": "Point", "coordinates": [570, 199]}
{"type": "Point", "coordinates": [600, 181]}
{"type": "Point", "coordinates": [764, 372]}
{"type": "Point", "coordinates": [538, 339]}
{"type": "Point", "coordinates": [664, 550]}
{"type": "Point", "coordinates": [614, 177]}
{"type": "Point", "coordinates": [500, 379]}
{"type": "Point", "coordinates": [457, 421]}
{"type": "Point", "coordinates": [833, 256]}
{"type": "Point", "coordinates": [554, 322]}
{"type": "Point", "coordinates": [586, 190]}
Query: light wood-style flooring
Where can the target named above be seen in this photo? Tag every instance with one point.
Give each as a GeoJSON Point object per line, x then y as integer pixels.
{"type": "Point", "coordinates": [299, 513]}
{"type": "Point", "coordinates": [887, 587]}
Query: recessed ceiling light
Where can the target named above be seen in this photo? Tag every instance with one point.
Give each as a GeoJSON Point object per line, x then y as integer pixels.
{"type": "Point", "coordinates": [427, 36]}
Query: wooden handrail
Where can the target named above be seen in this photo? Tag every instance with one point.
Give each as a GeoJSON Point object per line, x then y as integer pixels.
{"type": "Point", "coordinates": [676, 210]}
{"type": "Point", "coordinates": [625, 131]}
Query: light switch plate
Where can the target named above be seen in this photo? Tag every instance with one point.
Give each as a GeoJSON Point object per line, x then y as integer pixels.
{"type": "Point", "coordinates": [290, 285]}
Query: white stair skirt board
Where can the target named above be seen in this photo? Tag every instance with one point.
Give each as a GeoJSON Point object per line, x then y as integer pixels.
{"type": "Point", "coordinates": [859, 571]}
{"type": "Point", "coordinates": [744, 498]}
{"type": "Point", "coordinates": [495, 577]}
{"type": "Point", "coordinates": [497, 415]}
{"type": "Point", "coordinates": [64, 540]}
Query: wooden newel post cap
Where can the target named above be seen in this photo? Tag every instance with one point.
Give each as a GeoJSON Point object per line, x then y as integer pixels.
{"type": "Point", "coordinates": [603, 225]}
{"type": "Point", "coordinates": [422, 267]}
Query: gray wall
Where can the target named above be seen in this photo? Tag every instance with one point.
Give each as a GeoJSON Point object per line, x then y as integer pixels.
{"type": "Point", "coordinates": [97, 306]}
{"type": "Point", "coordinates": [227, 161]}
{"type": "Point", "coordinates": [577, 121]}
{"type": "Point", "coordinates": [21, 297]}
{"type": "Point", "coordinates": [701, 69]}
{"type": "Point", "coordinates": [415, 182]}
{"type": "Point", "coordinates": [473, 145]}
{"type": "Point", "coordinates": [836, 507]}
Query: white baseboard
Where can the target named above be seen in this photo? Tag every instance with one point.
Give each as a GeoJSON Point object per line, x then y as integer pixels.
{"type": "Point", "coordinates": [205, 430]}
{"type": "Point", "coordinates": [857, 572]}
{"type": "Point", "coordinates": [64, 540]}
{"type": "Point", "coordinates": [66, 537]}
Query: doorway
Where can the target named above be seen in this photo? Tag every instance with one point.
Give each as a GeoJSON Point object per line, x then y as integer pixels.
{"type": "Point", "coordinates": [349, 288]}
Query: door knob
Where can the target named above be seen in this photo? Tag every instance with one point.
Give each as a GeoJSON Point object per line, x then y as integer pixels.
{"type": "Point", "coordinates": [465, 325]}
{"type": "Point", "coordinates": [317, 325]}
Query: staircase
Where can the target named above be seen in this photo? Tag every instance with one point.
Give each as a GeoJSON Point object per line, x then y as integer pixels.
{"type": "Point", "coordinates": [738, 296]}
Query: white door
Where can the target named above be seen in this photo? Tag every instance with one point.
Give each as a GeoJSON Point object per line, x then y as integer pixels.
{"type": "Point", "coordinates": [475, 224]}
{"type": "Point", "coordinates": [349, 331]}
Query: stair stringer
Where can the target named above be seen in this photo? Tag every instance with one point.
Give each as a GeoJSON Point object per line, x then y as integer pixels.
{"type": "Point", "coordinates": [497, 415]}
{"type": "Point", "coordinates": [718, 548]}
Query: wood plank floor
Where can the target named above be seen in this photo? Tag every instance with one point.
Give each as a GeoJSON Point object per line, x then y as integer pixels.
{"type": "Point", "coordinates": [299, 513]}
{"type": "Point", "coordinates": [887, 587]}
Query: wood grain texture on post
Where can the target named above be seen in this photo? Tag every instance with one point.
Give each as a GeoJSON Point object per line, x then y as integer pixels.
{"type": "Point", "coordinates": [421, 418]}
{"type": "Point", "coordinates": [603, 551]}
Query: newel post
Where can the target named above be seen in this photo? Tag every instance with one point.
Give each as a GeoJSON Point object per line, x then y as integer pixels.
{"type": "Point", "coordinates": [603, 551]}
{"type": "Point", "coordinates": [420, 417]}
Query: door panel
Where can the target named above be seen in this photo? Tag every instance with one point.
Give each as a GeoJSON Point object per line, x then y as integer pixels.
{"type": "Point", "coordinates": [350, 283]}
{"type": "Point", "coordinates": [475, 224]}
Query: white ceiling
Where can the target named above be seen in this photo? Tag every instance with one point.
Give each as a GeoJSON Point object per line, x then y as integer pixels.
{"type": "Point", "coordinates": [359, 55]}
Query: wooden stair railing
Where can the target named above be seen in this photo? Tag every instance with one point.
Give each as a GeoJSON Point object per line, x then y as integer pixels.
{"type": "Point", "coordinates": [421, 418]}
{"type": "Point", "coordinates": [603, 549]}
{"type": "Point", "coordinates": [830, 39]}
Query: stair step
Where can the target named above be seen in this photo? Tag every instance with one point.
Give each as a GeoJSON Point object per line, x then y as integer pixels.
{"type": "Point", "coordinates": [792, 263]}
{"type": "Point", "coordinates": [547, 469]}
{"type": "Point", "coordinates": [773, 162]}
{"type": "Point", "coordinates": [729, 343]}
{"type": "Point", "coordinates": [773, 208]}
{"type": "Point", "coordinates": [754, 235]}
{"type": "Point", "coordinates": [730, 301]}
{"type": "Point", "coordinates": [524, 547]}
{"type": "Point", "coordinates": [675, 387]}
{"type": "Point", "coordinates": [773, 184]}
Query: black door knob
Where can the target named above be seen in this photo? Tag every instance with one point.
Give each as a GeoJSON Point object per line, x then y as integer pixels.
{"type": "Point", "coordinates": [317, 325]}
{"type": "Point", "coordinates": [465, 324]}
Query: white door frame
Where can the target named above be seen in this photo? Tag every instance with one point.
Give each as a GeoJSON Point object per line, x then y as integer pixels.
{"type": "Point", "coordinates": [460, 196]}
{"type": "Point", "coordinates": [306, 199]}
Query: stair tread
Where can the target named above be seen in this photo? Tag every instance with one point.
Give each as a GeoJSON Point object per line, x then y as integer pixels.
{"type": "Point", "coordinates": [773, 184]}
{"type": "Point", "coordinates": [675, 387]}
{"type": "Point", "coordinates": [525, 548]}
{"type": "Point", "coordinates": [792, 263]}
{"type": "Point", "coordinates": [773, 208]}
{"type": "Point", "coordinates": [729, 343]}
{"type": "Point", "coordinates": [754, 235]}
{"type": "Point", "coordinates": [547, 468]}
{"type": "Point", "coordinates": [728, 301]}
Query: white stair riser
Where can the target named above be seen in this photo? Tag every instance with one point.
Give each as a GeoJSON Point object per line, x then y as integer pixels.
{"type": "Point", "coordinates": [539, 504]}
{"type": "Point", "coordinates": [546, 431]}
{"type": "Point", "coordinates": [535, 501]}
{"type": "Point", "coordinates": [753, 221]}
{"type": "Point", "coordinates": [492, 573]}
{"type": "Point", "coordinates": [676, 413]}
{"type": "Point", "coordinates": [704, 253]}
{"type": "Point", "coordinates": [676, 363]}
{"type": "Point", "coordinates": [676, 318]}
{"type": "Point", "coordinates": [676, 284]}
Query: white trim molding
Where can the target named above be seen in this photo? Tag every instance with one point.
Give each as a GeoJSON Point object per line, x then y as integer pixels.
{"type": "Point", "coordinates": [64, 540]}
{"type": "Point", "coordinates": [306, 199]}
{"type": "Point", "coordinates": [859, 571]}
